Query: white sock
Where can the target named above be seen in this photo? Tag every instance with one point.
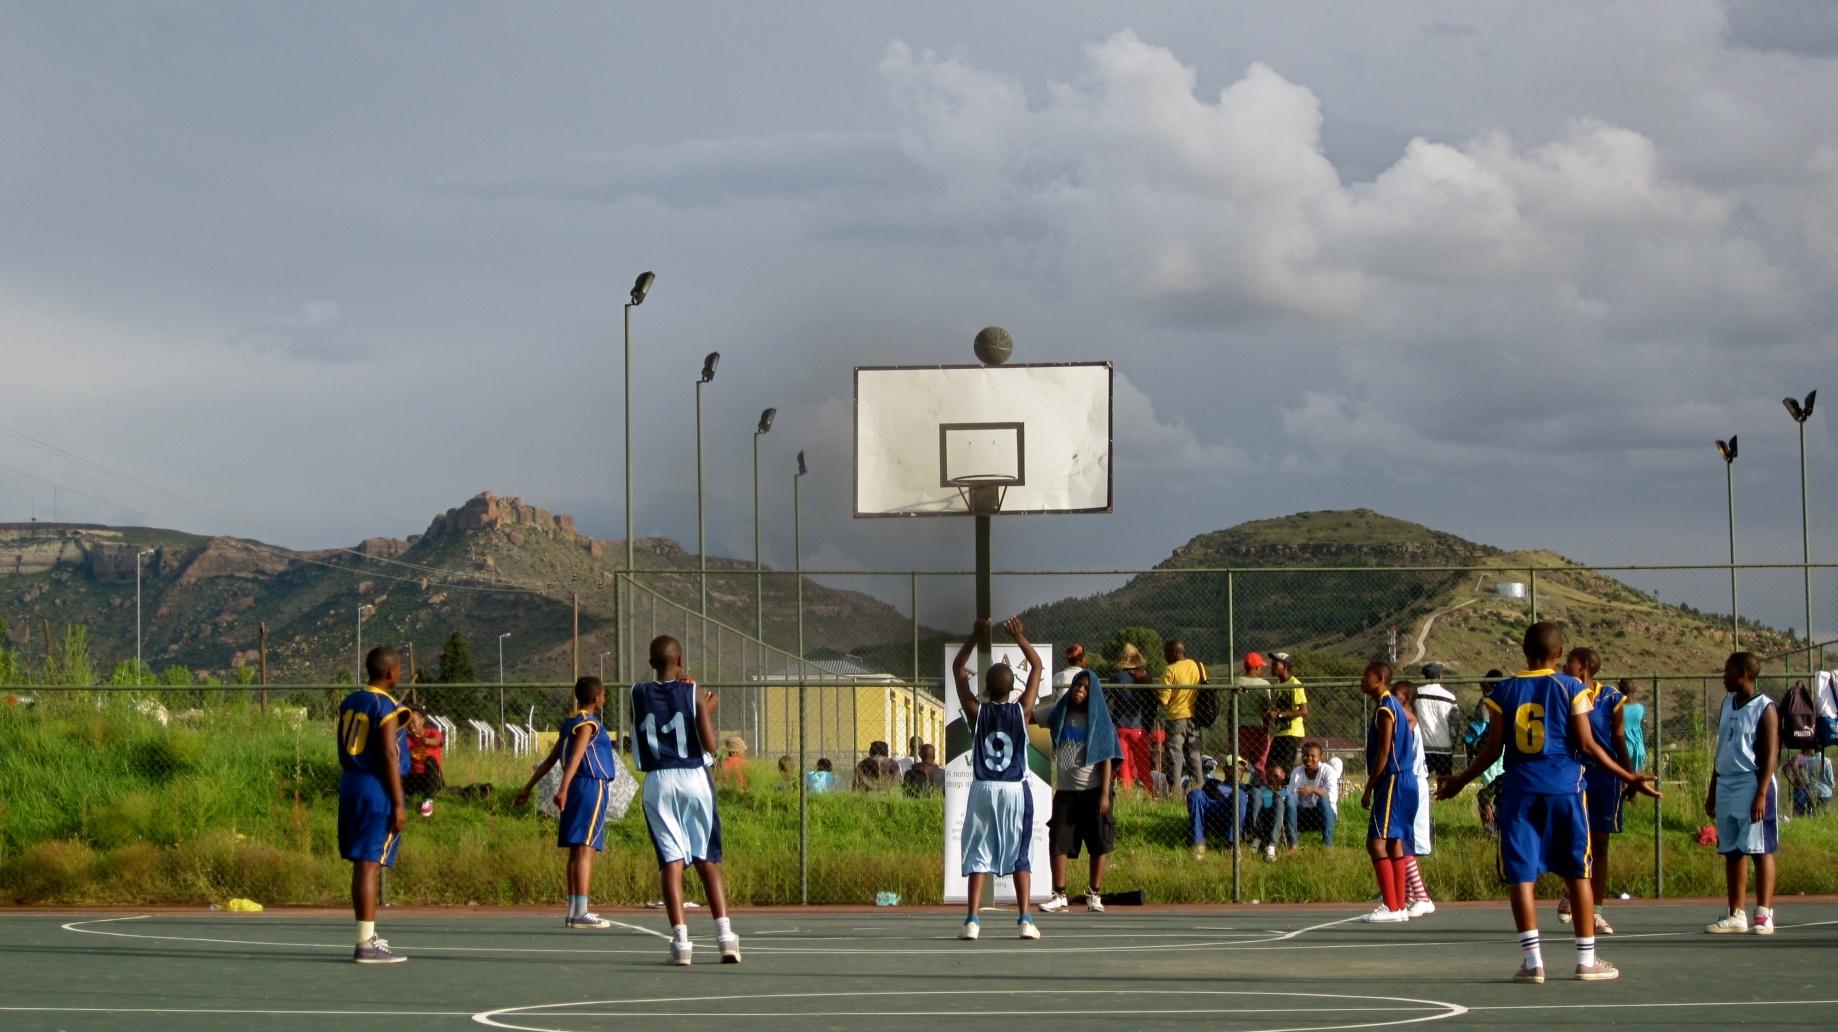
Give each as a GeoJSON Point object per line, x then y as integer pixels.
{"type": "Point", "coordinates": [723, 928]}
{"type": "Point", "coordinates": [679, 933]}
{"type": "Point", "coordinates": [1528, 942]}
{"type": "Point", "coordinates": [366, 931]}
{"type": "Point", "coordinates": [1585, 951]}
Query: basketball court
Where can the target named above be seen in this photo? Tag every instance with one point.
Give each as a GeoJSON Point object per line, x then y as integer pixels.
{"type": "Point", "coordinates": [1298, 969]}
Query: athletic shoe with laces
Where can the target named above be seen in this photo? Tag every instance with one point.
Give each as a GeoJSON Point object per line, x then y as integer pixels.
{"type": "Point", "coordinates": [1199, 852]}
{"type": "Point", "coordinates": [1602, 927]}
{"type": "Point", "coordinates": [375, 951]}
{"type": "Point", "coordinates": [1729, 924]}
{"type": "Point", "coordinates": [972, 928]}
{"type": "Point", "coordinates": [587, 921]}
{"type": "Point", "coordinates": [1600, 971]}
{"type": "Point", "coordinates": [1269, 854]}
{"type": "Point", "coordinates": [1764, 924]}
{"type": "Point", "coordinates": [1028, 929]}
{"type": "Point", "coordinates": [427, 808]}
{"type": "Point", "coordinates": [730, 948]}
{"type": "Point", "coordinates": [1529, 975]}
{"type": "Point", "coordinates": [1563, 909]}
{"type": "Point", "coordinates": [1094, 902]}
{"type": "Point", "coordinates": [1420, 908]}
{"type": "Point", "coordinates": [1056, 904]}
{"type": "Point", "coordinates": [681, 953]}
{"type": "Point", "coordinates": [1384, 916]}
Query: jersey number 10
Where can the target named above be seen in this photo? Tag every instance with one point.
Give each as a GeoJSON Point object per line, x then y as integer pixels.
{"type": "Point", "coordinates": [354, 732]}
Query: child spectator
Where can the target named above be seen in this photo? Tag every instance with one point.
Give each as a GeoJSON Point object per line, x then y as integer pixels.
{"type": "Point", "coordinates": [587, 776]}
{"type": "Point", "coordinates": [999, 815]}
{"type": "Point", "coordinates": [1084, 747]}
{"type": "Point", "coordinates": [1742, 794]}
{"type": "Point", "coordinates": [823, 779]}
{"type": "Point", "coordinates": [734, 762]}
{"type": "Point", "coordinates": [426, 748]}
{"type": "Point", "coordinates": [1314, 795]}
{"type": "Point", "coordinates": [1270, 803]}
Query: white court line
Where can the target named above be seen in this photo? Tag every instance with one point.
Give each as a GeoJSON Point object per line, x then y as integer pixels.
{"type": "Point", "coordinates": [1638, 1006]}
{"type": "Point", "coordinates": [640, 928]}
{"type": "Point", "coordinates": [225, 1010]}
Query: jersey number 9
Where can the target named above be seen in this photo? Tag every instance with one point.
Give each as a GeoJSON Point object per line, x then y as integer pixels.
{"type": "Point", "coordinates": [1528, 728]}
{"type": "Point", "coordinates": [998, 751]}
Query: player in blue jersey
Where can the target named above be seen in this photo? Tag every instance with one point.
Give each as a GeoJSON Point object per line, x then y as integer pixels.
{"type": "Point", "coordinates": [999, 815]}
{"type": "Point", "coordinates": [373, 752]}
{"type": "Point", "coordinates": [587, 779]}
{"type": "Point", "coordinates": [673, 733]}
{"type": "Point", "coordinates": [1742, 794]}
{"type": "Point", "coordinates": [1540, 724]}
{"type": "Point", "coordinates": [1390, 795]}
{"type": "Point", "coordinates": [1602, 791]}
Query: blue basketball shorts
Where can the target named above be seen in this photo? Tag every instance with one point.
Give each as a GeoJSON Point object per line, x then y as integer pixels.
{"type": "Point", "coordinates": [364, 811]}
{"type": "Point", "coordinates": [1394, 808]}
{"type": "Point", "coordinates": [1540, 833]}
{"type": "Point", "coordinates": [1736, 833]}
{"type": "Point", "coordinates": [584, 818]}
{"type": "Point", "coordinates": [1602, 796]}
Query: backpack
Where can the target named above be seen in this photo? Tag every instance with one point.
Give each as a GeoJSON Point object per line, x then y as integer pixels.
{"type": "Point", "coordinates": [1205, 704]}
{"type": "Point", "coordinates": [1799, 718]}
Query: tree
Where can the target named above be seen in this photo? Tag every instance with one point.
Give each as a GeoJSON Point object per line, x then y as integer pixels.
{"type": "Point", "coordinates": [69, 660]}
{"type": "Point", "coordinates": [244, 674]}
{"type": "Point", "coordinates": [456, 662]}
{"type": "Point", "coordinates": [176, 676]}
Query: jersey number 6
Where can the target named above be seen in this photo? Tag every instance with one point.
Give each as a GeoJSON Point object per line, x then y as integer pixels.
{"type": "Point", "coordinates": [1528, 728]}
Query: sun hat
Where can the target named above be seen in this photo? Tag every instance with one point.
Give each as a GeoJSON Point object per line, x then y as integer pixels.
{"type": "Point", "coordinates": [1131, 656]}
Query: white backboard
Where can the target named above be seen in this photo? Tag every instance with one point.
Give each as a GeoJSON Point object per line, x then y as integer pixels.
{"type": "Point", "coordinates": [1048, 426]}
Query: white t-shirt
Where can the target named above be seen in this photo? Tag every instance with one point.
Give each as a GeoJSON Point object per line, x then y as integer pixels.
{"type": "Point", "coordinates": [1437, 714]}
{"type": "Point", "coordinates": [1327, 778]}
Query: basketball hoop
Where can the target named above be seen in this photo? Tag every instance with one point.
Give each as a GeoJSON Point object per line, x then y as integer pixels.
{"type": "Point", "coordinates": [983, 493]}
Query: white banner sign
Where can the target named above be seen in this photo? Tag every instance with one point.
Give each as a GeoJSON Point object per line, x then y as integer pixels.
{"type": "Point", "coordinates": [958, 735]}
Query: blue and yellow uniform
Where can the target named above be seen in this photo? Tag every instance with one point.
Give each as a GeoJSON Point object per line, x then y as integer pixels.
{"type": "Point", "coordinates": [1544, 823]}
{"type": "Point", "coordinates": [1394, 789]}
{"type": "Point", "coordinates": [364, 803]}
{"type": "Point", "coordinates": [1602, 790]}
{"type": "Point", "coordinates": [999, 813]}
{"type": "Point", "coordinates": [679, 798]}
{"type": "Point", "coordinates": [584, 818]}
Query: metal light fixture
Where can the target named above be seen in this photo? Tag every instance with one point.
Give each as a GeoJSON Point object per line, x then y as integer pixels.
{"type": "Point", "coordinates": [759, 578]}
{"type": "Point", "coordinates": [802, 469]}
{"type": "Point", "coordinates": [1801, 411]}
{"type": "Point", "coordinates": [1727, 449]}
{"type": "Point", "coordinates": [642, 287]}
{"type": "Point", "coordinates": [708, 366]}
{"type": "Point", "coordinates": [765, 420]}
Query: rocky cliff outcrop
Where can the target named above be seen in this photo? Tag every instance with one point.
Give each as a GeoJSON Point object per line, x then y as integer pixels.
{"type": "Point", "coordinates": [486, 511]}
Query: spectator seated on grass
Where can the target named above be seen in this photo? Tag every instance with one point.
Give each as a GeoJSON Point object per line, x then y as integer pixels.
{"type": "Point", "coordinates": [1314, 795]}
{"type": "Point", "coordinates": [733, 769]}
{"type": "Point", "coordinates": [788, 771]}
{"type": "Point", "coordinates": [823, 779]}
{"type": "Point", "coordinates": [871, 773]}
{"type": "Point", "coordinates": [1269, 802]}
{"type": "Point", "coordinates": [1210, 807]}
{"type": "Point", "coordinates": [426, 764]}
{"type": "Point", "coordinates": [926, 776]}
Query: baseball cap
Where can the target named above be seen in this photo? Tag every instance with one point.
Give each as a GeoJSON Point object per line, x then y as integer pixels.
{"type": "Point", "coordinates": [1432, 670]}
{"type": "Point", "coordinates": [1253, 661]}
{"type": "Point", "coordinates": [1282, 657]}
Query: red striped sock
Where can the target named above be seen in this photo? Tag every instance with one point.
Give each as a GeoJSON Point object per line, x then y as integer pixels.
{"type": "Point", "coordinates": [1413, 881]}
{"type": "Point", "coordinates": [1389, 885]}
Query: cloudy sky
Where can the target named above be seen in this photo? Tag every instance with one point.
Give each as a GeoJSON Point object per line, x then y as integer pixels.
{"type": "Point", "coordinates": [312, 274]}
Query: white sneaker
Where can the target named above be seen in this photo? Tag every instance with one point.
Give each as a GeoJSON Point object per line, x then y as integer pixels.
{"type": "Point", "coordinates": [587, 921]}
{"type": "Point", "coordinates": [1028, 929]}
{"type": "Point", "coordinates": [972, 928]}
{"type": "Point", "coordinates": [1563, 909]}
{"type": "Point", "coordinates": [1764, 923]}
{"type": "Point", "coordinates": [680, 952]}
{"type": "Point", "coordinates": [1421, 908]}
{"type": "Point", "coordinates": [730, 949]}
{"type": "Point", "coordinates": [1094, 903]}
{"type": "Point", "coordinates": [1729, 924]}
{"type": "Point", "coordinates": [1056, 904]}
{"type": "Point", "coordinates": [1269, 854]}
{"type": "Point", "coordinates": [1383, 916]}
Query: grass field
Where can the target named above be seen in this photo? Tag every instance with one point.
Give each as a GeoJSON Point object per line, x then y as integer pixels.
{"type": "Point", "coordinates": [99, 804]}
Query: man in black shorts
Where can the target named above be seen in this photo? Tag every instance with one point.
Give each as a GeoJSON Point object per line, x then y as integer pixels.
{"type": "Point", "coordinates": [1084, 747]}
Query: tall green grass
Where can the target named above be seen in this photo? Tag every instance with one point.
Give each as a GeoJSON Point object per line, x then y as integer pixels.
{"type": "Point", "coordinates": [101, 804]}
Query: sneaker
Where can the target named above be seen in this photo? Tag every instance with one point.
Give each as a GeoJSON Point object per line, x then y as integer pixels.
{"type": "Point", "coordinates": [376, 951]}
{"type": "Point", "coordinates": [972, 928]}
{"type": "Point", "coordinates": [1384, 916]}
{"type": "Point", "coordinates": [1764, 924]}
{"type": "Point", "coordinates": [1094, 902]}
{"type": "Point", "coordinates": [427, 808]}
{"type": "Point", "coordinates": [1563, 910]}
{"type": "Point", "coordinates": [681, 952]}
{"type": "Point", "coordinates": [1055, 905]}
{"type": "Point", "coordinates": [1602, 927]}
{"type": "Point", "coordinates": [1269, 854]}
{"type": "Point", "coordinates": [730, 949]}
{"type": "Point", "coordinates": [1199, 852]}
{"type": "Point", "coordinates": [587, 921]}
{"type": "Point", "coordinates": [1600, 971]}
{"type": "Point", "coordinates": [1729, 924]}
{"type": "Point", "coordinates": [1529, 975]}
{"type": "Point", "coordinates": [1420, 908]}
{"type": "Point", "coordinates": [1028, 930]}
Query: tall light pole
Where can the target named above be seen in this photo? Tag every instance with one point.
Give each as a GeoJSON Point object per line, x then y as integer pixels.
{"type": "Point", "coordinates": [501, 638]}
{"type": "Point", "coordinates": [759, 578]}
{"type": "Point", "coordinates": [797, 551]}
{"type": "Point", "coordinates": [639, 289]}
{"type": "Point", "coordinates": [362, 611]}
{"type": "Point", "coordinates": [603, 656]}
{"type": "Point", "coordinates": [1801, 411]}
{"type": "Point", "coordinates": [708, 377]}
{"type": "Point", "coordinates": [1727, 449]}
{"type": "Point", "coordinates": [138, 556]}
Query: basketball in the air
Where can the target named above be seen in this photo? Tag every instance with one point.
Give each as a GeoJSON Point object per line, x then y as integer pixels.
{"type": "Point", "coordinates": [994, 345]}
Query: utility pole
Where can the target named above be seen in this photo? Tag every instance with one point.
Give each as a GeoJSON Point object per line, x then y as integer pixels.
{"type": "Point", "coordinates": [262, 663]}
{"type": "Point", "coordinates": [577, 636]}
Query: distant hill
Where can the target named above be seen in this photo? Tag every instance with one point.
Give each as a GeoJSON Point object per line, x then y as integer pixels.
{"type": "Point", "coordinates": [1313, 589]}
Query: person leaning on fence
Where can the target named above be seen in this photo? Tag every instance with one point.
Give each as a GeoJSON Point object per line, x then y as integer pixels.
{"type": "Point", "coordinates": [1438, 720]}
{"type": "Point", "coordinates": [1288, 708]}
{"type": "Point", "coordinates": [1084, 747]}
{"type": "Point", "coordinates": [1133, 710]}
{"type": "Point", "coordinates": [1177, 699]}
{"type": "Point", "coordinates": [372, 755]}
{"type": "Point", "coordinates": [1314, 795]}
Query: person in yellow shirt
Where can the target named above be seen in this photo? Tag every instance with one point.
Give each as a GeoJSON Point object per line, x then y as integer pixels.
{"type": "Point", "coordinates": [1177, 699]}
{"type": "Point", "coordinates": [1288, 705]}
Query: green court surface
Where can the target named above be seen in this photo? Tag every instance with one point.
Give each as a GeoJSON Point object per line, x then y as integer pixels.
{"type": "Point", "coordinates": [1300, 969]}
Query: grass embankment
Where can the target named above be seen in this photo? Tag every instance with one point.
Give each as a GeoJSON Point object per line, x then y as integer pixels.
{"type": "Point", "coordinates": [99, 804]}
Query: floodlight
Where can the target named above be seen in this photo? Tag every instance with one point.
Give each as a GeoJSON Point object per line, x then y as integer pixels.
{"type": "Point", "coordinates": [802, 469]}
{"type": "Point", "coordinates": [1801, 411]}
{"type": "Point", "coordinates": [765, 420]}
{"type": "Point", "coordinates": [708, 366]}
{"type": "Point", "coordinates": [642, 287]}
{"type": "Point", "coordinates": [1727, 449]}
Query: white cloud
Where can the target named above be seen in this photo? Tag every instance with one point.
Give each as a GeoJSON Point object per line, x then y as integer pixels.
{"type": "Point", "coordinates": [314, 334]}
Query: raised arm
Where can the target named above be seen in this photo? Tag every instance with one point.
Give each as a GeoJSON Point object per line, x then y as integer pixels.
{"type": "Point", "coordinates": [705, 722]}
{"type": "Point", "coordinates": [1013, 626]}
{"type": "Point", "coordinates": [960, 670]}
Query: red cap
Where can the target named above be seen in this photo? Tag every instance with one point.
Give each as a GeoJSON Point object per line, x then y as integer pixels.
{"type": "Point", "coordinates": [1253, 661]}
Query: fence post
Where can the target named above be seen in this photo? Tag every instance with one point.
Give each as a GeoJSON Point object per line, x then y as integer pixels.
{"type": "Point", "coordinates": [1533, 591]}
{"type": "Point", "coordinates": [1231, 652]}
{"type": "Point", "coordinates": [1659, 765]}
{"type": "Point", "coordinates": [912, 587]}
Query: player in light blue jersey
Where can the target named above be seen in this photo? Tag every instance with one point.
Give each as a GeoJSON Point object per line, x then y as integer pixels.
{"type": "Point", "coordinates": [1742, 794]}
{"type": "Point", "coordinates": [999, 815]}
{"type": "Point", "coordinates": [373, 752]}
{"type": "Point", "coordinates": [1540, 724]}
{"type": "Point", "coordinates": [673, 731]}
{"type": "Point", "coordinates": [587, 780]}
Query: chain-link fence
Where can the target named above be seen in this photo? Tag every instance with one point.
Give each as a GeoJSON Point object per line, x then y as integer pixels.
{"type": "Point", "coordinates": [178, 793]}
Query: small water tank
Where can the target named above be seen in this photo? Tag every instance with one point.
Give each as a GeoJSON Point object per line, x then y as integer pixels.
{"type": "Point", "coordinates": [1511, 589]}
